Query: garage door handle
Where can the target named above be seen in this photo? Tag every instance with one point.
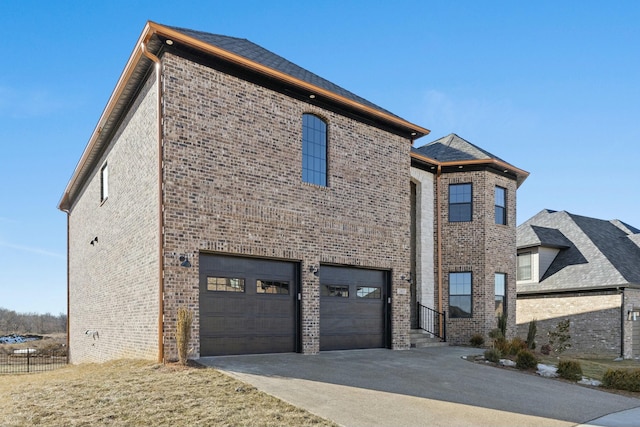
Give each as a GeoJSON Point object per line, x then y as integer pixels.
{"type": "Point", "coordinates": [299, 296]}
{"type": "Point", "coordinates": [389, 300]}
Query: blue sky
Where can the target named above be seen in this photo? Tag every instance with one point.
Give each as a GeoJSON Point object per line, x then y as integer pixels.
{"type": "Point", "coordinates": [551, 87]}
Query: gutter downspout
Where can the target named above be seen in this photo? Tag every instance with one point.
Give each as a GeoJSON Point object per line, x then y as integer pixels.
{"type": "Point", "coordinates": [622, 319]}
{"type": "Point", "coordinates": [439, 247]}
{"type": "Point", "coordinates": [68, 212]}
{"type": "Point", "coordinates": [158, 66]}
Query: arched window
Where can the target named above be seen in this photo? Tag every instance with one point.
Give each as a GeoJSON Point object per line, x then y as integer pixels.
{"type": "Point", "coordinates": [314, 150]}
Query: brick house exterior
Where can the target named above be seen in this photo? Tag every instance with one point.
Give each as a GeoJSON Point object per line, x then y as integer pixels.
{"type": "Point", "coordinates": [477, 245]}
{"type": "Point", "coordinates": [584, 270]}
{"type": "Point", "coordinates": [193, 185]}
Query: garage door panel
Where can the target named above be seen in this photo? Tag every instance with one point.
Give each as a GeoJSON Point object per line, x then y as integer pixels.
{"type": "Point", "coordinates": [352, 308]}
{"type": "Point", "coordinates": [245, 345]}
{"type": "Point", "coordinates": [252, 321]}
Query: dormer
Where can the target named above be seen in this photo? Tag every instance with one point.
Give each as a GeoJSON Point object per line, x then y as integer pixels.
{"type": "Point", "coordinates": [537, 249]}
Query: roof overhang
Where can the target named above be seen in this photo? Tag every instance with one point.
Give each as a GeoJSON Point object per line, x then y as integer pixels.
{"type": "Point", "coordinates": [155, 37]}
{"type": "Point", "coordinates": [576, 289]}
{"type": "Point", "coordinates": [495, 165]}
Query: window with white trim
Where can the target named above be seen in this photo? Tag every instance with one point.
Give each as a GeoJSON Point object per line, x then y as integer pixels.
{"type": "Point", "coordinates": [104, 182]}
{"type": "Point", "coordinates": [524, 266]}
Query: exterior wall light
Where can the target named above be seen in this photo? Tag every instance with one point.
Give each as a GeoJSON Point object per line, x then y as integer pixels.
{"type": "Point", "coordinates": [184, 261]}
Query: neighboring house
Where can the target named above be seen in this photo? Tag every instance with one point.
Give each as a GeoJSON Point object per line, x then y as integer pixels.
{"type": "Point", "coordinates": [582, 269]}
{"type": "Point", "coordinates": [277, 207]}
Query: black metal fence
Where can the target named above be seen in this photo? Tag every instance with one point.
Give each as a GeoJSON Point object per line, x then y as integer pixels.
{"type": "Point", "coordinates": [432, 321]}
{"type": "Point", "coordinates": [22, 363]}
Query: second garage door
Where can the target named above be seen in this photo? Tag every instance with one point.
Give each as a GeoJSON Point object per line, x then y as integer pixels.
{"type": "Point", "coordinates": [247, 305]}
{"type": "Point", "coordinates": [353, 308]}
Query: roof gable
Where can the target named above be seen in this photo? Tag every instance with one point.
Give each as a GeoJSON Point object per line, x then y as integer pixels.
{"type": "Point", "coordinates": [593, 253]}
{"type": "Point", "coordinates": [237, 54]}
{"type": "Point", "coordinates": [533, 235]}
{"type": "Point", "coordinates": [453, 148]}
{"type": "Point", "coordinates": [253, 52]}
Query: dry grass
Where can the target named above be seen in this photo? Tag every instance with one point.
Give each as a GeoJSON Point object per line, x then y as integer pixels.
{"type": "Point", "coordinates": [50, 342]}
{"type": "Point", "coordinates": [138, 393]}
{"type": "Point", "coordinates": [592, 367]}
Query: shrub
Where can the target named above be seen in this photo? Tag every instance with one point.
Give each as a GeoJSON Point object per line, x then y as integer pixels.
{"type": "Point", "coordinates": [545, 349]}
{"type": "Point", "coordinates": [492, 355]}
{"type": "Point", "coordinates": [477, 340]}
{"type": "Point", "coordinates": [622, 379]}
{"type": "Point", "coordinates": [496, 334]}
{"type": "Point", "coordinates": [502, 324]}
{"type": "Point", "coordinates": [570, 370]}
{"type": "Point", "coordinates": [526, 360]}
{"type": "Point", "coordinates": [515, 345]}
{"type": "Point", "coordinates": [499, 342]}
{"type": "Point", "coordinates": [559, 337]}
{"type": "Point", "coordinates": [531, 335]}
{"type": "Point", "coordinates": [183, 333]}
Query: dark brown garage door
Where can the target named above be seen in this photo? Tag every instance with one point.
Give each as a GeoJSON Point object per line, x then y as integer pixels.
{"type": "Point", "coordinates": [247, 305]}
{"type": "Point", "coordinates": [352, 308]}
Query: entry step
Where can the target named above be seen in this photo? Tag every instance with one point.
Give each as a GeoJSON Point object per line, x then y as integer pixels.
{"type": "Point", "coordinates": [421, 339]}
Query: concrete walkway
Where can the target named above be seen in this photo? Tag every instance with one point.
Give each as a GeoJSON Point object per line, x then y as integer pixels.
{"type": "Point", "coordinates": [419, 387]}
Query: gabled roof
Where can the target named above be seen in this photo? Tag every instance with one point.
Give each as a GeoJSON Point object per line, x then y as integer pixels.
{"type": "Point", "coordinates": [452, 148]}
{"type": "Point", "coordinates": [453, 151]}
{"type": "Point", "coordinates": [235, 56]}
{"type": "Point", "coordinates": [260, 55]}
{"type": "Point", "coordinates": [593, 253]}
{"type": "Point", "coordinates": [534, 235]}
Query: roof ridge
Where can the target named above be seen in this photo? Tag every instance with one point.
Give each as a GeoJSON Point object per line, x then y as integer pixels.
{"type": "Point", "coordinates": [183, 29]}
{"type": "Point", "coordinates": [277, 62]}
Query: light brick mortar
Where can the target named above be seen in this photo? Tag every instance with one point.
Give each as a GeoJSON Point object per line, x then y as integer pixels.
{"type": "Point", "coordinates": [594, 321]}
{"type": "Point", "coordinates": [232, 177]}
{"type": "Point", "coordinates": [113, 285]}
{"type": "Point", "coordinates": [481, 247]}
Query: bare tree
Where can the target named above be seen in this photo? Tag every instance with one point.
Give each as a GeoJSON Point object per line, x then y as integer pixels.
{"type": "Point", "coordinates": [31, 323]}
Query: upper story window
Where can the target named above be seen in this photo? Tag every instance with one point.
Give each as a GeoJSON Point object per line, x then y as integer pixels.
{"type": "Point", "coordinates": [104, 183]}
{"type": "Point", "coordinates": [460, 196]}
{"type": "Point", "coordinates": [524, 266]}
{"type": "Point", "coordinates": [501, 205]}
{"type": "Point", "coordinates": [460, 294]}
{"type": "Point", "coordinates": [314, 150]}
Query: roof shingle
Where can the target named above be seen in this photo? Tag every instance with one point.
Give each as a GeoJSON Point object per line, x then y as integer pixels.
{"type": "Point", "coordinates": [593, 253]}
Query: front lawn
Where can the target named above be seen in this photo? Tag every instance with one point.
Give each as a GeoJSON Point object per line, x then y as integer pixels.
{"type": "Point", "coordinates": [140, 393]}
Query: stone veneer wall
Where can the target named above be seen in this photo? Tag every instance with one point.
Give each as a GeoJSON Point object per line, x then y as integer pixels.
{"type": "Point", "coordinates": [424, 239]}
{"type": "Point", "coordinates": [114, 284]}
{"type": "Point", "coordinates": [594, 320]}
{"type": "Point", "coordinates": [481, 247]}
{"type": "Point", "coordinates": [232, 175]}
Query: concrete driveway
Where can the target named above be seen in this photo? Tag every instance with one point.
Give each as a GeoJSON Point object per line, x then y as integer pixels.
{"type": "Point", "coordinates": [418, 387]}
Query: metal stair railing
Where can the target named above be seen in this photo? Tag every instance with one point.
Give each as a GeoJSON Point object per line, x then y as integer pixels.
{"type": "Point", "coordinates": [432, 321]}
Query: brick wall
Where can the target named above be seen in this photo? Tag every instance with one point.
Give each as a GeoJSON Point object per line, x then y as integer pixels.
{"type": "Point", "coordinates": [594, 321]}
{"type": "Point", "coordinates": [233, 184]}
{"type": "Point", "coordinates": [113, 284]}
{"type": "Point", "coordinates": [481, 247]}
{"type": "Point", "coordinates": [631, 345]}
